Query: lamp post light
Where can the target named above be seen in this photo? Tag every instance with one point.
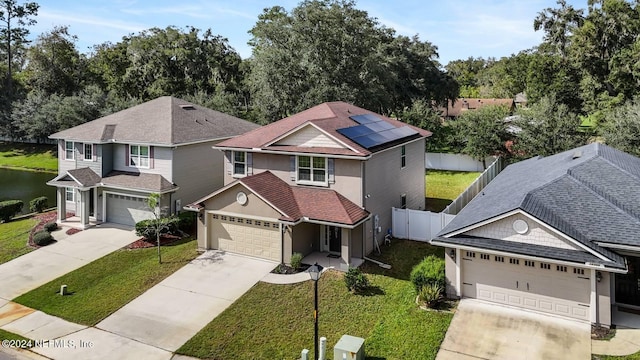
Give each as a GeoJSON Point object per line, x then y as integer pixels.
{"type": "Point", "coordinates": [315, 272]}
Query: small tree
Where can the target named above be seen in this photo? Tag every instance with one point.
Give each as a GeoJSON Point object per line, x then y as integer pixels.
{"type": "Point", "coordinates": [160, 222]}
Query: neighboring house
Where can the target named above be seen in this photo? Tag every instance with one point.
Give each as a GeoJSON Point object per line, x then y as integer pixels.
{"type": "Point", "coordinates": [322, 180]}
{"type": "Point", "coordinates": [109, 166]}
{"type": "Point", "coordinates": [457, 107]}
{"type": "Point", "coordinates": [557, 234]}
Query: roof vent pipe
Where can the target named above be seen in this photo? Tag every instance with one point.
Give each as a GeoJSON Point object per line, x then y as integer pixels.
{"type": "Point", "coordinates": [576, 155]}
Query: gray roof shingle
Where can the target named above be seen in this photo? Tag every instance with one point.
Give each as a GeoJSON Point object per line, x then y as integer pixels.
{"type": "Point", "coordinates": [591, 193]}
{"type": "Point", "coordinates": [163, 121]}
{"type": "Point", "coordinates": [138, 181]}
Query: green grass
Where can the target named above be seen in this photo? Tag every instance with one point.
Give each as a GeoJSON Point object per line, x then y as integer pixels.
{"type": "Point", "coordinates": [444, 186]}
{"type": "Point", "coordinates": [5, 335]}
{"type": "Point", "coordinates": [28, 156]}
{"type": "Point", "coordinates": [105, 285]}
{"type": "Point", "coordinates": [14, 236]}
{"type": "Point", "coordinates": [635, 356]}
{"type": "Point", "coordinates": [276, 321]}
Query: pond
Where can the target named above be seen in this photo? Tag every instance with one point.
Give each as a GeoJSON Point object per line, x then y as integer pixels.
{"type": "Point", "coordinates": [25, 186]}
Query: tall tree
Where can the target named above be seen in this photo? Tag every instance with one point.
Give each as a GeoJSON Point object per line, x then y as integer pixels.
{"type": "Point", "coordinates": [54, 65]}
{"type": "Point", "coordinates": [621, 128]}
{"type": "Point", "coordinates": [14, 20]}
{"type": "Point", "coordinates": [482, 132]}
{"type": "Point", "coordinates": [558, 25]}
{"type": "Point", "coordinates": [547, 128]}
{"type": "Point", "coordinates": [328, 50]}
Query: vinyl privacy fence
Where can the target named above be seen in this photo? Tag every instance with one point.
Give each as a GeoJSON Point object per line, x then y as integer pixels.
{"type": "Point", "coordinates": [417, 224]}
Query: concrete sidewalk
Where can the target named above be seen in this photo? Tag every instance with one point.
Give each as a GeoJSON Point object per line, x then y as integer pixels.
{"type": "Point", "coordinates": [172, 312]}
{"type": "Point", "coordinates": [38, 267]}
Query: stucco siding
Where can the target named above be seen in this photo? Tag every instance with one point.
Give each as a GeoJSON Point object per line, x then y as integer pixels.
{"type": "Point", "coordinates": [450, 271]}
{"type": "Point", "coordinates": [306, 238]}
{"type": "Point", "coordinates": [603, 289]}
{"type": "Point", "coordinates": [226, 202]}
{"type": "Point", "coordinates": [537, 234]}
{"type": "Point", "coordinates": [356, 242]}
{"type": "Point", "coordinates": [197, 171]}
{"type": "Point", "coordinates": [162, 161]}
{"type": "Point", "coordinates": [386, 181]}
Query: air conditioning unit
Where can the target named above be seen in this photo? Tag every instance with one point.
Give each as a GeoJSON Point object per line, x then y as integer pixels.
{"type": "Point", "coordinates": [349, 348]}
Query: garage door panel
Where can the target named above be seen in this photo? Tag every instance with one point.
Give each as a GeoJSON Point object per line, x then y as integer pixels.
{"type": "Point", "coordinates": [244, 238]}
{"type": "Point", "coordinates": [126, 210]}
{"type": "Point", "coordinates": [546, 290]}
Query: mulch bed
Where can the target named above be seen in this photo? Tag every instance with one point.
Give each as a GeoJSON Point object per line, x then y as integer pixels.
{"type": "Point", "coordinates": [42, 220]}
{"type": "Point", "coordinates": [288, 270]}
{"type": "Point", "coordinates": [72, 231]}
{"type": "Point", "coordinates": [143, 243]}
{"type": "Point", "coordinates": [602, 333]}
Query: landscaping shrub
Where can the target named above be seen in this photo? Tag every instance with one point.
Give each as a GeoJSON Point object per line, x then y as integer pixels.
{"type": "Point", "coordinates": [38, 204]}
{"type": "Point", "coordinates": [42, 238]}
{"type": "Point", "coordinates": [429, 271]}
{"type": "Point", "coordinates": [51, 226]}
{"type": "Point", "coordinates": [9, 209]}
{"type": "Point", "coordinates": [296, 260]}
{"type": "Point", "coordinates": [147, 228]}
{"type": "Point", "coordinates": [187, 221]}
{"type": "Point", "coordinates": [430, 295]}
{"type": "Point", "coordinates": [355, 280]}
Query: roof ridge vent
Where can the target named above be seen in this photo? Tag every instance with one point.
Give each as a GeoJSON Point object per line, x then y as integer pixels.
{"type": "Point", "coordinates": [187, 106]}
{"type": "Point", "coordinates": [577, 154]}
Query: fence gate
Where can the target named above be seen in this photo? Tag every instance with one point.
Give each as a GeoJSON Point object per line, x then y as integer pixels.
{"type": "Point", "coordinates": [417, 225]}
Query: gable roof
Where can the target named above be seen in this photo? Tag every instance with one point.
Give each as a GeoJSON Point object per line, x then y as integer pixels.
{"type": "Point", "coordinates": [591, 194]}
{"type": "Point", "coordinates": [163, 121]}
{"type": "Point", "coordinates": [328, 117]}
{"type": "Point", "coordinates": [297, 203]}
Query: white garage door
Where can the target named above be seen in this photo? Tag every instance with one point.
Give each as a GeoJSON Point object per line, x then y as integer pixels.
{"type": "Point", "coordinates": [558, 290]}
{"type": "Point", "coordinates": [246, 236]}
{"type": "Point", "coordinates": [127, 210]}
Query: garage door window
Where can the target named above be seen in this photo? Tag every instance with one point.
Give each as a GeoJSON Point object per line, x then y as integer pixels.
{"type": "Point", "coordinates": [578, 271]}
{"type": "Point", "coordinates": [471, 254]}
{"type": "Point", "coordinates": [529, 263]}
{"type": "Point", "coordinates": [499, 258]}
{"type": "Point", "coordinates": [514, 261]}
{"type": "Point", "coordinates": [484, 256]}
{"type": "Point", "coordinates": [545, 266]}
{"type": "Point", "coordinates": [561, 268]}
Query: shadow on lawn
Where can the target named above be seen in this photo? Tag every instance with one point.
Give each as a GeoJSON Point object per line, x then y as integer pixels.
{"type": "Point", "coordinates": [371, 290]}
{"type": "Point", "coordinates": [402, 255]}
{"type": "Point", "coordinates": [436, 204]}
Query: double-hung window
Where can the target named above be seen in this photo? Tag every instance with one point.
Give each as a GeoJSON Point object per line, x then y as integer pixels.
{"type": "Point", "coordinates": [88, 152]}
{"type": "Point", "coordinates": [69, 150]}
{"type": "Point", "coordinates": [139, 156]}
{"type": "Point", "coordinates": [69, 194]}
{"type": "Point", "coordinates": [312, 170]}
{"type": "Point", "coordinates": [239, 163]}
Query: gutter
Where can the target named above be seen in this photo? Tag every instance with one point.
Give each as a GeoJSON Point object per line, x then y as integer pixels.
{"type": "Point", "coordinates": [263, 151]}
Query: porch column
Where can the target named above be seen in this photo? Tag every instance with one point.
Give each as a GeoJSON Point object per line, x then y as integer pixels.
{"type": "Point", "coordinates": [61, 200]}
{"type": "Point", "coordinates": [345, 248]}
{"type": "Point", "coordinates": [594, 298]}
{"type": "Point", "coordinates": [458, 274]}
{"type": "Point", "coordinates": [84, 208]}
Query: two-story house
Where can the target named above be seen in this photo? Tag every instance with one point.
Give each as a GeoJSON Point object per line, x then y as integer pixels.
{"type": "Point", "coordinates": [108, 167]}
{"type": "Point", "coordinates": [322, 180]}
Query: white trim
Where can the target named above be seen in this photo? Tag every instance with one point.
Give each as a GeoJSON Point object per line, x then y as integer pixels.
{"type": "Point", "coordinates": [301, 126]}
{"type": "Point", "coordinates": [324, 183]}
{"type": "Point", "coordinates": [134, 141]}
{"type": "Point", "coordinates": [233, 164]}
{"type": "Point", "coordinates": [537, 221]}
{"type": "Point", "coordinates": [593, 307]}
{"type": "Point", "coordinates": [84, 152]}
{"type": "Point", "coordinates": [139, 156]}
{"type": "Point", "coordinates": [281, 152]}
{"type": "Point", "coordinates": [108, 186]}
{"type": "Point", "coordinates": [73, 193]}
{"type": "Point", "coordinates": [73, 150]}
{"type": "Point", "coordinates": [458, 274]}
{"type": "Point", "coordinates": [619, 246]}
{"type": "Point", "coordinates": [527, 257]}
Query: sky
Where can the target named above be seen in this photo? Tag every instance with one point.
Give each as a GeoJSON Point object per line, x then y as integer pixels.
{"type": "Point", "coordinates": [459, 28]}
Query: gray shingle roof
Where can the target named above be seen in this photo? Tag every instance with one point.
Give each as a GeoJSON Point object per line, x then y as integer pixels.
{"type": "Point", "coordinates": [164, 121]}
{"type": "Point", "coordinates": [591, 193]}
{"type": "Point", "coordinates": [547, 252]}
{"type": "Point", "coordinates": [138, 181]}
{"type": "Point", "coordinates": [85, 176]}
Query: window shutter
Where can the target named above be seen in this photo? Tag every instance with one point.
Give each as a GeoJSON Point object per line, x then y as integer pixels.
{"type": "Point", "coordinates": [151, 148]}
{"type": "Point", "coordinates": [249, 163]}
{"type": "Point", "coordinates": [331, 170]}
{"type": "Point", "coordinates": [292, 167]}
{"type": "Point", "coordinates": [126, 155]}
{"type": "Point", "coordinates": [227, 161]}
{"type": "Point", "coordinates": [93, 152]}
{"type": "Point", "coordinates": [62, 150]}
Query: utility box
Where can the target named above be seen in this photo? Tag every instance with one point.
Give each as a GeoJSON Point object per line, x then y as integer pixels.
{"type": "Point", "coordinates": [349, 348]}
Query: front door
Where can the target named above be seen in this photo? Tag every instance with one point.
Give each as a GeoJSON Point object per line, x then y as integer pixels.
{"type": "Point", "coordinates": [335, 238]}
{"type": "Point", "coordinates": [628, 285]}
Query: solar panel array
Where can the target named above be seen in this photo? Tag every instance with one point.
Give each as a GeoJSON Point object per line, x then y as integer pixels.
{"type": "Point", "coordinates": [373, 131]}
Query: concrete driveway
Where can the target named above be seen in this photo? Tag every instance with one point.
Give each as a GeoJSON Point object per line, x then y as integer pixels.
{"type": "Point", "coordinates": [481, 330]}
{"type": "Point", "coordinates": [38, 267]}
{"type": "Point", "coordinates": [170, 313]}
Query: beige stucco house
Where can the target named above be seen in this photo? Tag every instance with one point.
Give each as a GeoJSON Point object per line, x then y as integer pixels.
{"type": "Point", "coordinates": [555, 234]}
{"type": "Point", "coordinates": [109, 166]}
{"type": "Point", "coordinates": [323, 180]}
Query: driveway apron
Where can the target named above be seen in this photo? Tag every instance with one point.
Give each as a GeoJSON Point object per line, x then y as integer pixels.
{"type": "Point", "coordinates": [170, 313]}
{"type": "Point", "coordinates": [481, 330]}
{"type": "Point", "coordinates": [38, 267]}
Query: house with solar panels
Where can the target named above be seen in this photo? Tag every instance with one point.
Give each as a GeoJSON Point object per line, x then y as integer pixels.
{"type": "Point", "coordinates": [321, 182]}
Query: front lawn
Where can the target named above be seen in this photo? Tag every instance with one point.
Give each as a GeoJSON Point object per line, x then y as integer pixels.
{"type": "Point", "coordinates": [100, 288]}
{"type": "Point", "coordinates": [28, 156]}
{"type": "Point", "coordinates": [445, 186]}
{"type": "Point", "coordinates": [14, 238]}
{"type": "Point", "coordinates": [5, 335]}
{"type": "Point", "coordinates": [276, 321]}
{"type": "Point", "coordinates": [635, 356]}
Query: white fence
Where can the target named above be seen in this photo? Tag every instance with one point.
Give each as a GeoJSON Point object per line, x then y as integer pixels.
{"type": "Point", "coordinates": [463, 199]}
{"type": "Point", "coordinates": [455, 162]}
{"type": "Point", "coordinates": [417, 224]}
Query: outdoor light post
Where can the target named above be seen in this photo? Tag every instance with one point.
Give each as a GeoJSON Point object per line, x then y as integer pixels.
{"type": "Point", "coordinates": [315, 272]}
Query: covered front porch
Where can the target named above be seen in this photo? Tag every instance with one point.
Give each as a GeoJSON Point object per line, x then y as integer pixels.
{"type": "Point", "coordinates": [328, 260]}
